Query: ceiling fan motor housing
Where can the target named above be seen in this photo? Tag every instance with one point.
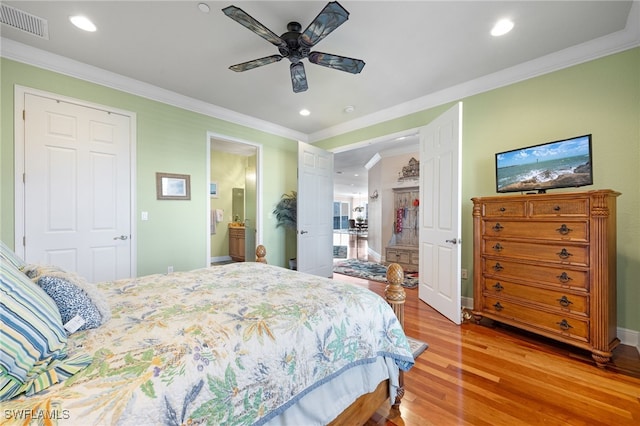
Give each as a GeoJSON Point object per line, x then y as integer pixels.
{"type": "Point", "coordinates": [294, 49]}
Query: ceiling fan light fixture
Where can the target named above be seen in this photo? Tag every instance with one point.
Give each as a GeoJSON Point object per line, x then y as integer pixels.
{"type": "Point", "coordinates": [502, 27]}
{"type": "Point", "coordinates": [305, 112]}
{"type": "Point", "coordinates": [83, 23]}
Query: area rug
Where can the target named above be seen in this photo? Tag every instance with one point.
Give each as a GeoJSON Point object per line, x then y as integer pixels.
{"type": "Point", "coordinates": [339, 252]}
{"type": "Point", "coordinates": [417, 346]}
{"type": "Point", "coordinates": [371, 271]}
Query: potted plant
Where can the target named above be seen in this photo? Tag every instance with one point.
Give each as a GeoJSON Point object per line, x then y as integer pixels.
{"type": "Point", "coordinates": [286, 213]}
{"type": "Point", "coordinates": [359, 210]}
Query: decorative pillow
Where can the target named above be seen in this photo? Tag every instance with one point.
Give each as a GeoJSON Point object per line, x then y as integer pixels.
{"type": "Point", "coordinates": [72, 302]}
{"type": "Point", "coordinates": [7, 254]}
{"type": "Point", "coordinates": [74, 296]}
{"type": "Point", "coordinates": [31, 334]}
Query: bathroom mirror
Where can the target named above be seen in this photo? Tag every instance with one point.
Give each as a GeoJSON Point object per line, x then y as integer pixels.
{"type": "Point", "coordinates": [237, 204]}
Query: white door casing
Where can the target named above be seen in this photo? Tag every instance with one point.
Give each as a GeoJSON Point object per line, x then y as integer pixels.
{"type": "Point", "coordinates": [77, 188]}
{"type": "Point", "coordinates": [440, 216]}
{"type": "Point", "coordinates": [315, 211]}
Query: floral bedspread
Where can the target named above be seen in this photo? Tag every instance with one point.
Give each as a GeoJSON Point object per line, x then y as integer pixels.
{"type": "Point", "coordinates": [230, 344]}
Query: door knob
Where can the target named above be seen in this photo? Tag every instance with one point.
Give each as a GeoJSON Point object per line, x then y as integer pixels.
{"type": "Point", "coordinates": [304, 232]}
{"type": "Point", "coordinates": [454, 241]}
{"type": "Point", "coordinates": [121, 237]}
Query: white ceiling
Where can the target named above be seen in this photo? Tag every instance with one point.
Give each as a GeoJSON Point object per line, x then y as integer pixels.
{"type": "Point", "coordinates": [417, 53]}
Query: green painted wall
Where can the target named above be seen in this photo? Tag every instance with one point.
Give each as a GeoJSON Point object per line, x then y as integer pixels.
{"type": "Point", "coordinates": [601, 97]}
{"type": "Point", "coordinates": [169, 139]}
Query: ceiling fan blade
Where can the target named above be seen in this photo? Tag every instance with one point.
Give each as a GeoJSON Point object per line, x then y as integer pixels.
{"type": "Point", "coordinates": [298, 77]}
{"type": "Point", "coordinates": [331, 17]}
{"type": "Point", "coordinates": [249, 65]}
{"type": "Point", "coordinates": [342, 63]}
{"type": "Point", "coordinates": [244, 19]}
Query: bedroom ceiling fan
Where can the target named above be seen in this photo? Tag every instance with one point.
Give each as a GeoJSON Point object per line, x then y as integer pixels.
{"type": "Point", "coordinates": [296, 45]}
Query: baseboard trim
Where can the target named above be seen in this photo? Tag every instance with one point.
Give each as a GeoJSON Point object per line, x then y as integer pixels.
{"type": "Point", "coordinates": [217, 259]}
{"type": "Point", "coordinates": [629, 337]}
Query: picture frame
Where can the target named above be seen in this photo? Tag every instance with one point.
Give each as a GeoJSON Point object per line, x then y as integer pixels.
{"type": "Point", "coordinates": [171, 186]}
{"type": "Point", "coordinates": [213, 189]}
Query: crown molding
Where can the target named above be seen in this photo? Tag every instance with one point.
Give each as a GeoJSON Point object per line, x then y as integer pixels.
{"type": "Point", "coordinates": [619, 41]}
{"type": "Point", "coordinates": [46, 60]}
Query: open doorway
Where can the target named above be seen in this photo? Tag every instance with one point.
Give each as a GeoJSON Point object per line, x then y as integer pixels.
{"type": "Point", "coordinates": [361, 187]}
{"type": "Point", "coordinates": [235, 204]}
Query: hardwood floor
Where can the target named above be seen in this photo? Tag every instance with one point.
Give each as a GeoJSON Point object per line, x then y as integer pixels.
{"type": "Point", "coordinates": [495, 375]}
{"type": "Point", "coordinates": [491, 374]}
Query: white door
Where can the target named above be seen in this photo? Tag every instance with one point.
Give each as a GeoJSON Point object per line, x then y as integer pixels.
{"type": "Point", "coordinates": [315, 210]}
{"type": "Point", "coordinates": [77, 188]}
{"type": "Point", "coordinates": [440, 160]}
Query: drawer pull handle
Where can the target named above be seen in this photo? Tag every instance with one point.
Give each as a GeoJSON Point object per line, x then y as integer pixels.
{"type": "Point", "coordinates": [564, 302]}
{"type": "Point", "coordinates": [564, 229]}
{"type": "Point", "coordinates": [497, 267]}
{"type": "Point", "coordinates": [502, 209]}
{"type": "Point", "coordinates": [497, 247]}
{"type": "Point", "coordinates": [497, 227]}
{"type": "Point", "coordinates": [498, 306]}
{"type": "Point", "coordinates": [564, 325]}
{"type": "Point", "coordinates": [564, 254]}
{"type": "Point", "coordinates": [498, 287]}
{"type": "Point", "coordinates": [556, 208]}
{"type": "Point", "coordinates": [564, 277]}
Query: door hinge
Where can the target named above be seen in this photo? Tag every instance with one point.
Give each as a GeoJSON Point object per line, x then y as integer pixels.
{"type": "Point", "coordinates": [24, 115]}
{"type": "Point", "coordinates": [24, 241]}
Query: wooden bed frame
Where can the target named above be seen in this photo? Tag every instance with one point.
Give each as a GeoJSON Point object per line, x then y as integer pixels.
{"type": "Point", "coordinates": [365, 407]}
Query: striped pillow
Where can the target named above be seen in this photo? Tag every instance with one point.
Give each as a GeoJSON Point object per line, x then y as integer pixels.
{"type": "Point", "coordinates": [31, 336]}
{"type": "Point", "coordinates": [7, 254]}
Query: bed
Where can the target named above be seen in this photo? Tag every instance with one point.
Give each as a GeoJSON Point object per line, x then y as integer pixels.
{"type": "Point", "coordinates": [244, 343]}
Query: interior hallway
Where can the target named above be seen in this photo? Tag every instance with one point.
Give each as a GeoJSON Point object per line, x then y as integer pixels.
{"type": "Point", "coordinates": [356, 243]}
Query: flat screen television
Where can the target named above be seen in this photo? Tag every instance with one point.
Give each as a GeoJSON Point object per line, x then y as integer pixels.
{"type": "Point", "coordinates": [559, 164]}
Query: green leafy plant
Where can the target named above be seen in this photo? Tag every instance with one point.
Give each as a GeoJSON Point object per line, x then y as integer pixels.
{"type": "Point", "coordinates": [286, 211]}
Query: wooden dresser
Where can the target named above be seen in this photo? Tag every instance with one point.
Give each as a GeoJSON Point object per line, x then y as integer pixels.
{"type": "Point", "coordinates": [546, 263]}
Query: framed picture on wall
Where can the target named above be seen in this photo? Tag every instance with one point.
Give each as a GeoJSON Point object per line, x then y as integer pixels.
{"type": "Point", "coordinates": [213, 189]}
{"type": "Point", "coordinates": [171, 186]}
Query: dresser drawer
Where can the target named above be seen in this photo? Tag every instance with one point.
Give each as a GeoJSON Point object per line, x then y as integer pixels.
{"type": "Point", "coordinates": [555, 323]}
{"type": "Point", "coordinates": [504, 209]}
{"type": "Point", "coordinates": [559, 231]}
{"type": "Point", "coordinates": [561, 207]}
{"type": "Point", "coordinates": [538, 273]}
{"type": "Point", "coordinates": [557, 253]}
{"type": "Point", "coordinates": [553, 299]}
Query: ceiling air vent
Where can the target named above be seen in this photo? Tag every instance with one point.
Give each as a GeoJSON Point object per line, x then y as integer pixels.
{"type": "Point", "coordinates": [24, 21]}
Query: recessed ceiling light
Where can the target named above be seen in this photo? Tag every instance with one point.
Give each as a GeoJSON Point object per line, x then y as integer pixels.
{"type": "Point", "coordinates": [502, 27]}
{"type": "Point", "coordinates": [304, 112]}
{"type": "Point", "coordinates": [204, 8]}
{"type": "Point", "coordinates": [83, 23]}
{"type": "Point", "coordinates": [349, 109]}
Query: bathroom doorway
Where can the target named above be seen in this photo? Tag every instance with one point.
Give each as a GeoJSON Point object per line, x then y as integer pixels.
{"type": "Point", "coordinates": [234, 170]}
